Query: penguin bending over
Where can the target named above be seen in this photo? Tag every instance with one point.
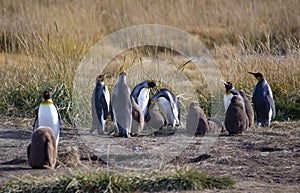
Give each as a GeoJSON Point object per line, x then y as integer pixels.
{"type": "Point", "coordinates": [42, 151]}
{"type": "Point", "coordinates": [141, 92]}
{"type": "Point", "coordinates": [122, 106]}
{"type": "Point", "coordinates": [100, 104]}
{"type": "Point", "coordinates": [263, 102]}
{"type": "Point", "coordinates": [137, 125]}
{"type": "Point", "coordinates": [196, 120]}
{"type": "Point", "coordinates": [48, 115]}
{"type": "Point", "coordinates": [168, 105]}
{"type": "Point", "coordinates": [236, 120]}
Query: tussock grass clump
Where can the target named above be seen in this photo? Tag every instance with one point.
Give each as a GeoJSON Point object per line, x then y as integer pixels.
{"type": "Point", "coordinates": [42, 43]}
{"type": "Point", "coordinates": [112, 182]}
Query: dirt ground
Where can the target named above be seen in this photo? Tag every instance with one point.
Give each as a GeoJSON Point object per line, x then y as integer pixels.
{"type": "Point", "coordinates": [261, 159]}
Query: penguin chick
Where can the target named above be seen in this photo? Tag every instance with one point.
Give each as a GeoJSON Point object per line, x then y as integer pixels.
{"type": "Point", "coordinates": [42, 152]}
{"type": "Point", "coordinates": [236, 119]}
{"type": "Point", "coordinates": [100, 105]}
{"type": "Point", "coordinates": [196, 120]}
{"type": "Point", "coordinates": [215, 126]}
{"type": "Point", "coordinates": [248, 109]}
{"type": "Point", "coordinates": [137, 118]}
{"type": "Point", "coordinates": [154, 120]}
{"type": "Point", "coordinates": [263, 101]}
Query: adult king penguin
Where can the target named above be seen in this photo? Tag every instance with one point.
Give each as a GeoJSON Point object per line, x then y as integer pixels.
{"type": "Point", "coordinates": [122, 106]}
{"type": "Point", "coordinates": [228, 95]}
{"type": "Point", "coordinates": [141, 92]}
{"type": "Point", "coordinates": [262, 99]}
{"type": "Point", "coordinates": [48, 115]}
{"type": "Point", "coordinates": [168, 105]}
{"type": "Point", "coordinates": [100, 104]}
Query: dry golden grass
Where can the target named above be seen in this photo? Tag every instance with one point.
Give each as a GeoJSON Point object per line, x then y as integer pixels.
{"type": "Point", "coordinates": [42, 43]}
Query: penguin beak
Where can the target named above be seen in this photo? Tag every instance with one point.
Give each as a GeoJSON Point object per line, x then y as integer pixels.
{"type": "Point", "coordinates": [251, 73]}
{"type": "Point", "coordinates": [224, 82]}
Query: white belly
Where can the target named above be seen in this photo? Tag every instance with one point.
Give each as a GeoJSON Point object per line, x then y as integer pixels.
{"type": "Point", "coordinates": [48, 116]}
{"type": "Point", "coordinates": [166, 110]}
{"type": "Point", "coordinates": [143, 99]}
{"type": "Point", "coordinates": [227, 100]}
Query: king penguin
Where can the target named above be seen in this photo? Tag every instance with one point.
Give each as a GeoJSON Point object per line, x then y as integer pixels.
{"type": "Point", "coordinates": [100, 104]}
{"type": "Point", "coordinates": [141, 92]}
{"type": "Point", "coordinates": [196, 120]}
{"type": "Point", "coordinates": [168, 105]}
{"type": "Point", "coordinates": [48, 115]}
{"type": "Point", "coordinates": [122, 106]}
{"type": "Point", "coordinates": [263, 102]}
{"type": "Point", "coordinates": [236, 120]}
{"type": "Point", "coordinates": [228, 95]}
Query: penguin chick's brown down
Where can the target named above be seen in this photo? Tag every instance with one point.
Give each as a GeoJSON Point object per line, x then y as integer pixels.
{"type": "Point", "coordinates": [137, 118]}
{"type": "Point", "coordinates": [196, 120]}
{"type": "Point", "coordinates": [154, 119]}
{"type": "Point", "coordinates": [42, 152]}
{"type": "Point", "coordinates": [248, 109]}
{"type": "Point", "coordinates": [236, 119]}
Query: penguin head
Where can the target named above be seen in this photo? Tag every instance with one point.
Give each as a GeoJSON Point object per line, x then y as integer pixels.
{"type": "Point", "coordinates": [194, 104]}
{"type": "Point", "coordinates": [101, 77]}
{"type": "Point", "coordinates": [151, 83]}
{"type": "Point", "coordinates": [47, 94]}
{"type": "Point", "coordinates": [228, 85]}
{"type": "Point", "coordinates": [257, 75]}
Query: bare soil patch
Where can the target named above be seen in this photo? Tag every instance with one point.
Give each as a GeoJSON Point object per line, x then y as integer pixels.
{"type": "Point", "coordinates": [261, 159]}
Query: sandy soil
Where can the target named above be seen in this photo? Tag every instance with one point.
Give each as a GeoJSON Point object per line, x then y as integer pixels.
{"type": "Point", "coordinates": [261, 159]}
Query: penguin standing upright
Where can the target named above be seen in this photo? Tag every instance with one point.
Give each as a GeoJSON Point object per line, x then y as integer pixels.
{"type": "Point", "coordinates": [196, 120]}
{"type": "Point", "coordinates": [168, 105]}
{"type": "Point", "coordinates": [236, 120]}
{"type": "Point", "coordinates": [122, 106]}
{"type": "Point", "coordinates": [137, 125]}
{"type": "Point", "coordinates": [263, 102]}
{"type": "Point", "coordinates": [248, 108]}
{"type": "Point", "coordinates": [154, 119]}
{"type": "Point", "coordinates": [247, 105]}
{"type": "Point", "coordinates": [48, 115]}
{"type": "Point", "coordinates": [42, 150]}
{"type": "Point", "coordinates": [100, 104]}
{"type": "Point", "coordinates": [141, 92]}
{"type": "Point", "coordinates": [228, 95]}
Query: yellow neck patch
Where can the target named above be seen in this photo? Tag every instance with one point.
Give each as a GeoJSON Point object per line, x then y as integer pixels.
{"type": "Point", "coordinates": [47, 102]}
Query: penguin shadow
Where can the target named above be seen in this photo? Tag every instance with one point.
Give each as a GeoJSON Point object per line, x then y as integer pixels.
{"type": "Point", "coordinates": [16, 135]}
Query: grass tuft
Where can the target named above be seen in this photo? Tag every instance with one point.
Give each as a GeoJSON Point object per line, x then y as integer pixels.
{"type": "Point", "coordinates": [121, 182]}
